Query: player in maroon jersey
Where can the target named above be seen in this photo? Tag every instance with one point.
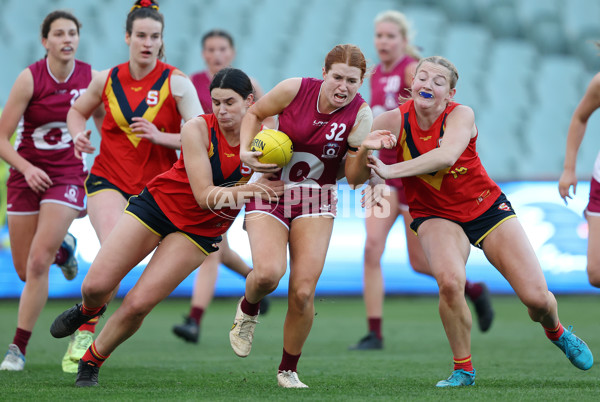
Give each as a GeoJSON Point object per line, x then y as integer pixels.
{"type": "Point", "coordinates": [178, 214]}
{"type": "Point", "coordinates": [390, 80]}
{"type": "Point", "coordinates": [145, 101]}
{"type": "Point", "coordinates": [218, 52]}
{"type": "Point", "coordinates": [454, 205]}
{"type": "Point", "coordinates": [45, 187]}
{"type": "Point", "coordinates": [588, 105]}
{"type": "Point", "coordinates": [325, 119]}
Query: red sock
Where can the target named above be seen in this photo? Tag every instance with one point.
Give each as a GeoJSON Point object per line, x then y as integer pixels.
{"type": "Point", "coordinates": [375, 326]}
{"type": "Point", "coordinates": [21, 339]}
{"type": "Point", "coordinates": [196, 314]}
{"type": "Point", "coordinates": [463, 364]}
{"type": "Point", "coordinates": [473, 289]}
{"type": "Point", "coordinates": [250, 308]}
{"type": "Point", "coordinates": [90, 325]}
{"type": "Point", "coordinates": [61, 256]}
{"type": "Point", "coordinates": [90, 310]}
{"type": "Point", "coordinates": [554, 334]}
{"type": "Point", "coordinates": [92, 356]}
{"type": "Point", "coordinates": [288, 362]}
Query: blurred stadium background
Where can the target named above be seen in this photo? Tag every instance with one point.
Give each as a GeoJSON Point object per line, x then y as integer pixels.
{"type": "Point", "coordinates": [523, 65]}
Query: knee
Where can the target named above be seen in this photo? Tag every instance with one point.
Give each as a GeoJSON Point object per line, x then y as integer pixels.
{"type": "Point", "coordinates": [451, 287]}
{"type": "Point", "coordinates": [301, 300]}
{"type": "Point", "coordinates": [594, 275]}
{"type": "Point", "coordinates": [92, 290]}
{"type": "Point", "coordinates": [266, 277]}
{"type": "Point", "coordinates": [135, 308]}
{"type": "Point", "coordinates": [419, 264]}
{"type": "Point", "coordinates": [539, 302]}
{"type": "Point", "coordinates": [38, 264]}
{"type": "Point", "coordinates": [373, 252]}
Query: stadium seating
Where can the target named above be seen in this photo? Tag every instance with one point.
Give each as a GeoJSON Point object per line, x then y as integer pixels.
{"type": "Point", "coordinates": [523, 65]}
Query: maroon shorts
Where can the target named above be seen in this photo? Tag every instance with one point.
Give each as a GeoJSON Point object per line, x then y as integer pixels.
{"type": "Point", "coordinates": [298, 202]}
{"type": "Point", "coordinates": [593, 207]}
{"type": "Point", "coordinates": [389, 157]}
{"type": "Point", "coordinates": [25, 201]}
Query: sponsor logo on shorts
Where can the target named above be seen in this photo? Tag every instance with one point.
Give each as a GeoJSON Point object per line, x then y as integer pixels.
{"type": "Point", "coordinates": [72, 193]}
{"type": "Point", "coordinates": [504, 207]}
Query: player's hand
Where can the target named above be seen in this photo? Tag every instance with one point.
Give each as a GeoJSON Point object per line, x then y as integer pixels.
{"type": "Point", "coordinates": [37, 179]}
{"type": "Point", "coordinates": [379, 139]}
{"type": "Point", "coordinates": [374, 192]}
{"type": "Point", "coordinates": [379, 167]}
{"type": "Point", "coordinates": [82, 143]}
{"type": "Point", "coordinates": [250, 158]}
{"type": "Point", "coordinates": [269, 187]}
{"type": "Point", "coordinates": [567, 179]}
{"type": "Point", "coordinates": [142, 128]}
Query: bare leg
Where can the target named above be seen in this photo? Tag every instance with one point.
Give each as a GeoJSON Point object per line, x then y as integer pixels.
{"type": "Point", "coordinates": [310, 233]}
{"type": "Point", "coordinates": [54, 220]}
{"type": "Point", "coordinates": [448, 266]}
{"type": "Point", "coordinates": [593, 253]}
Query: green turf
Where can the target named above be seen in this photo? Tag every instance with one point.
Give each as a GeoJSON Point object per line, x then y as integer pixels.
{"type": "Point", "coordinates": [514, 361]}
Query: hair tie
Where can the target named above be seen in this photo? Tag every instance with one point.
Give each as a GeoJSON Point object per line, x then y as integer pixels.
{"type": "Point", "coordinates": [145, 4]}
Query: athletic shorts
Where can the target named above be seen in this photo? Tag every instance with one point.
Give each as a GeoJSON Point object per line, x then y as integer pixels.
{"type": "Point", "coordinates": [144, 208]}
{"type": "Point", "coordinates": [593, 207]}
{"type": "Point", "coordinates": [95, 184]}
{"type": "Point", "coordinates": [297, 202]}
{"type": "Point", "coordinates": [477, 229]}
{"type": "Point", "coordinates": [25, 201]}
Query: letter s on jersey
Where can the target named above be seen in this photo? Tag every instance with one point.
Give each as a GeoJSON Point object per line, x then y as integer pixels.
{"type": "Point", "coordinates": [152, 97]}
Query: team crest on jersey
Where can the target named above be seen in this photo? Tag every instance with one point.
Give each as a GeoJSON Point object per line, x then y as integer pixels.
{"type": "Point", "coordinates": [152, 97]}
{"type": "Point", "coordinates": [504, 207]}
{"type": "Point", "coordinates": [425, 138]}
{"type": "Point", "coordinates": [331, 150]}
{"type": "Point", "coordinates": [136, 89]}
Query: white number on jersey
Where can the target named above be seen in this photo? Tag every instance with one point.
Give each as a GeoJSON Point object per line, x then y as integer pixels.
{"type": "Point", "coordinates": [338, 136]}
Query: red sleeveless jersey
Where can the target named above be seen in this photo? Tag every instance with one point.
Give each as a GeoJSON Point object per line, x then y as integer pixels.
{"type": "Point", "coordinates": [462, 192]}
{"type": "Point", "coordinates": [201, 82]}
{"type": "Point", "coordinates": [43, 139]}
{"type": "Point", "coordinates": [320, 140]}
{"type": "Point", "coordinates": [125, 160]}
{"type": "Point", "coordinates": [174, 196]}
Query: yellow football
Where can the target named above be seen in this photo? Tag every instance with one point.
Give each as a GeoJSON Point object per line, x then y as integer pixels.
{"type": "Point", "coordinates": [276, 147]}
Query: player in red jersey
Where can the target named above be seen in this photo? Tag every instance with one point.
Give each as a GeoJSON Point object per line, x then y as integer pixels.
{"type": "Point", "coordinates": [390, 80]}
{"type": "Point", "coordinates": [454, 205]}
{"type": "Point", "coordinates": [325, 119]}
{"type": "Point", "coordinates": [145, 101]}
{"type": "Point", "coordinates": [588, 104]}
{"type": "Point", "coordinates": [45, 187]}
{"type": "Point", "coordinates": [182, 213]}
{"type": "Point", "coordinates": [218, 52]}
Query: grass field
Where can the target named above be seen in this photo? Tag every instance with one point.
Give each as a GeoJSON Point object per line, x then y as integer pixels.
{"type": "Point", "coordinates": [514, 361]}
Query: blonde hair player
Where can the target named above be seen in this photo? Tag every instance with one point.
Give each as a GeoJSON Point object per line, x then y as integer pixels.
{"type": "Point", "coordinates": [454, 204]}
{"type": "Point", "coordinates": [390, 81]}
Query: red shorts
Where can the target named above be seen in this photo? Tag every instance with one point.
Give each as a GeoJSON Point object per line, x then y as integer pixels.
{"type": "Point", "coordinates": [297, 202]}
{"type": "Point", "coordinates": [25, 201]}
{"type": "Point", "coordinates": [593, 207]}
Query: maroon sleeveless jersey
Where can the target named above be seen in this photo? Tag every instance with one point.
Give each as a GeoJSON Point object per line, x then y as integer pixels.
{"type": "Point", "coordinates": [319, 140]}
{"type": "Point", "coordinates": [202, 81]}
{"type": "Point", "coordinates": [43, 138]}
